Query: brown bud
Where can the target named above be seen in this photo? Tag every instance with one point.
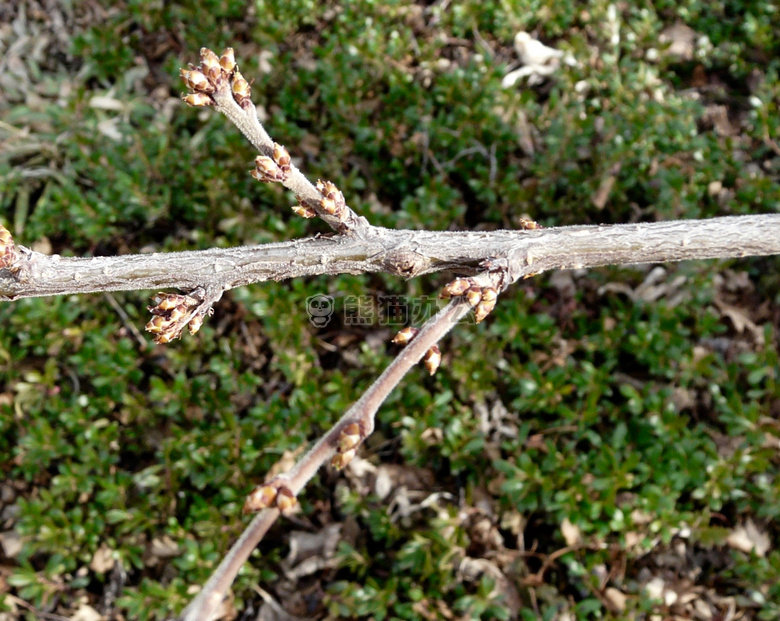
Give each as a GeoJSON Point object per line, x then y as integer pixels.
{"type": "Point", "coordinates": [483, 310]}
{"type": "Point", "coordinates": [168, 301]}
{"type": "Point", "coordinates": [529, 225]}
{"type": "Point", "coordinates": [432, 359]}
{"type": "Point", "coordinates": [328, 205]}
{"type": "Point", "coordinates": [165, 337]}
{"type": "Point", "coordinates": [195, 323]}
{"type": "Point", "coordinates": [156, 324]}
{"type": "Point", "coordinates": [474, 295]}
{"type": "Point", "coordinates": [340, 460]}
{"type": "Point", "coordinates": [177, 312]}
{"type": "Point", "coordinates": [198, 82]}
{"type": "Point", "coordinates": [198, 100]}
{"type": "Point", "coordinates": [281, 156]}
{"type": "Point", "coordinates": [208, 60]}
{"type": "Point", "coordinates": [405, 335]}
{"type": "Point", "coordinates": [303, 211]}
{"type": "Point", "coordinates": [7, 248]}
{"type": "Point", "coordinates": [262, 497]}
{"type": "Point", "coordinates": [285, 500]}
{"type": "Point", "coordinates": [457, 287]}
{"type": "Point", "coordinates": [487, 304]}
{"type": "Point", "coordinates": [266, 170]}
{"type": "Point", "coordinates": [350, 437]}
{"type": "Point", "coordinates": [228, 60]}
{"type": "Point", "coordinates": [489, 294]}
{"type": "Point", "coordinates": [240, 87]}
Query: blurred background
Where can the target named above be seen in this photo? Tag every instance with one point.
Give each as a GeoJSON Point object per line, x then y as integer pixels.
{"type": "Point", "coordinates": [603, 446]}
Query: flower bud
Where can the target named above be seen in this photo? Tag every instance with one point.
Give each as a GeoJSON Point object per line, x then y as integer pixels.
{"type": "Point", "coordinates": [209, 61]}
{"type": "Point", "coordinates": [328, 205]}
{"type": "Point", "coordinates": [405, 335]}
{"type": "Point", "coordinates": [266, 170]}
{"type": "Point", "coordinates": [529, 225]}
{"type": "Point", "coordinates": [240, 87]}
{"type": "Point", "coordinates": [198, 100]}
{"type": "Point", "coordinates": [228, 60]}
{"type": "Point", "coordinates": [457, 287]}
{"type": "Point", "coordinates": [156, 324]}
{"type": "Point", "coordinates": [474, 295]}
{"type": "Point", "coordinates": [349, 437]}
{"type": "Point", "coordinates": [8, 253]}
{"type": "Point", "coordinates": [262, 497]}
{"type": "Point", "coordinates": [340, 460]}
{"type": "Point", "coordinates": [486, 304]}
{"type": "Point", "coordinates": [285, 500]}
{"type": "Point", "coordinates": [432, 359]}
{"type": "Point", "coordinates": [195, 323]}
{"type": "Point", "coordinates": [198, 82]}
{"type": "Point", "coordinates": [281, 156]}
{"type": "Point", "coordinates": [489, 294]}
{"type": "Point", "coordinates": [303, 211]}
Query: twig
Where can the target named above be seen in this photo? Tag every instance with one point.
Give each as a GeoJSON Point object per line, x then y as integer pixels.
{"type": "Point", "coordinates": [362, 413]}
{"type": "Point", "coordinates": [131, 327]}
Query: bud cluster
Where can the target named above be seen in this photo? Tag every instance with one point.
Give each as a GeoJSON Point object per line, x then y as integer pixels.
{"type": "Point", "coordinates": [171, 313]}
{"type": "Point", "coordinates": [349, 440]}
{"type": "Point", "coordinates": [213, 73]}
{"type": "Point", "coordinates": [332, 201]}
{"type": "Point", "coordinates": [529, 225]}
{"type": "Point", "coordinates": [8, 253]}
{"type": "Point", "coordinates": [272, 169]}
{"type": "Point", "coordinates": [482, 299]}
{"type": "Point", "coordinates": [268, 495]}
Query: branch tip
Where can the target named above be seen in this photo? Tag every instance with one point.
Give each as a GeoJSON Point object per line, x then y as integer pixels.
{"type": "Point", "coordinates": [172, 312]}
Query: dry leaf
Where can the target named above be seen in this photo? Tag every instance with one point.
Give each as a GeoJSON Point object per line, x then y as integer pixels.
{"type": "Point", "coordinates": [748, 537]}
{"type": "Point", "coordinates": [571, 532]}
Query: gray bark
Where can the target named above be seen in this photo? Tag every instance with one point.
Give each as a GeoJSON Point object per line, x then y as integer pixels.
{"type": "Point", "coordinates": [404, 253]}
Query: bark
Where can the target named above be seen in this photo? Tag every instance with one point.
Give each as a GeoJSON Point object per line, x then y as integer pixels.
{"type": "Point", "coordinates": [401, 252]}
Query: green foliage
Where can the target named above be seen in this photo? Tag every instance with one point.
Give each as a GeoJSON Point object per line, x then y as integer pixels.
{"type": "Point", "coordinates": [642, 420]}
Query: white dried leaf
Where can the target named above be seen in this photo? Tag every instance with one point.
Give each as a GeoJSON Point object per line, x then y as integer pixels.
{"type": "Point", "coordinates": [748, 537]}
{"type": "Point", "coordinates": [572, 534]}
{"type": "Point", "coordinates": [86, 613]}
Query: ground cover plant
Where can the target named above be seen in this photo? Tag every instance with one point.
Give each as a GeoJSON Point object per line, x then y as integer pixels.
{"type": "Point", "coordinates": [617, 457]}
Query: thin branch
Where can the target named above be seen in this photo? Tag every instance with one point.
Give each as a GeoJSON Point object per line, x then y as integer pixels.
{"type": "Point", "coordinates": [404, 253]}
{"type": "Point", "coordinates": [362, 412]}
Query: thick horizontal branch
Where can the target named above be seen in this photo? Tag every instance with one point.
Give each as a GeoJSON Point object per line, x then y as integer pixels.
{"type": "Point", "coordinates": [404, 253]}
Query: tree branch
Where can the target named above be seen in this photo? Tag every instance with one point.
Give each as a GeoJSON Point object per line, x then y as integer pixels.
{"type": "Point", "coordinates": [400, 252]}
{"type": "Point", "coordinates": [362, 412]}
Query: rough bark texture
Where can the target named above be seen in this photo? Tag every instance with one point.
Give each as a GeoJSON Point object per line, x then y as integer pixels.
{"type": "Point", "coordinates": [403, 253]}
